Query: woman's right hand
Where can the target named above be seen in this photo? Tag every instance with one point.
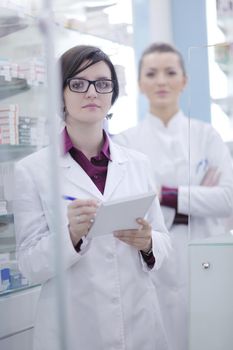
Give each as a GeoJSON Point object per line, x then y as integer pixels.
{"type": "Point", "coordinates": [211, 177]}
{"type": "Point", "coordinates": [81, 214]}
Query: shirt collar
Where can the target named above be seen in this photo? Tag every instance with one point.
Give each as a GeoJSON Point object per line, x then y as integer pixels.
{"type": "Point", "coordinates": [68, 145]}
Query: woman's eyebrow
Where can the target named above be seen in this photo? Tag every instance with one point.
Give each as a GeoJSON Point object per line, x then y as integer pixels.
{"type": "Point", "coordinates": [80, 76]}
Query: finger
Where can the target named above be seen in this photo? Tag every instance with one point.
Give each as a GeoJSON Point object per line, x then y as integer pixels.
{"type": "Point", "coordinates": [140, 244]}
{"type": "Point", "coordinates": [211, 178]}
{"type": "Point", "coordinates": [84, 219]}
{"type": "Point", "coordinates": [216, 178]}
{"type": "Point", "coordinates": [208, 178]}
{"type": "Point", "coordinates": [205, 180]}
{"type": "Point", "coordinates": [133, 239]}
{"type": "Point", "coordinates": [79, 203]}
{"type": "Point", "coordinates": [131, 234]}
{"type": "Point", "coordinates": [84, 211]}
{"type": "Point", "coordinates": [88, 211]}
{"type": "Point", "coordinates": [144, 224]}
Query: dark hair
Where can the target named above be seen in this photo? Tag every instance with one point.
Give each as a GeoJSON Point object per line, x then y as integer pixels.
{"type": "Point", "coordinates": [71, 63]}
{"type": "Point", "coordinates": [161, 48]}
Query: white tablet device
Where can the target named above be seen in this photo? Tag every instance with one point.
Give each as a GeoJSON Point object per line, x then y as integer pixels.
{"type": "Point", "coordinates": [121, 214]}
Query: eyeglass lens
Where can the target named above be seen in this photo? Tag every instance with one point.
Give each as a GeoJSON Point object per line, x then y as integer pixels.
{"type": "Point", "coordinates": [82, 85]}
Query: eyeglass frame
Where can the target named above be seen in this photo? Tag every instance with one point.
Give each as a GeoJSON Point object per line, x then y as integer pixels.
{"type": "Point", "coordinates": [90, 82]}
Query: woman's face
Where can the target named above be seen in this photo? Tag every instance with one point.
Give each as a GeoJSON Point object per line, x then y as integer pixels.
{"type": "Point", "coordinates": [162, 79]}
{"type": "Point", "coordinates": [88, 107]}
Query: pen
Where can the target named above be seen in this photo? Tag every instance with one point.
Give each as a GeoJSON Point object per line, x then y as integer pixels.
{"type": "Point", "coordinates": [69, 198]}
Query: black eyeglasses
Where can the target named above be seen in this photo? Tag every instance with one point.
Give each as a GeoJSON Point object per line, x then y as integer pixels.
{"type": "Point", "coordinates": [102, 86]}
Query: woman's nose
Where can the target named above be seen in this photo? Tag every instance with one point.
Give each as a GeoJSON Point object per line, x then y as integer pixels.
{"type": "Point", "coordinates": [161, 79]}
{"type": "Point", "coordinates": [91, 92]}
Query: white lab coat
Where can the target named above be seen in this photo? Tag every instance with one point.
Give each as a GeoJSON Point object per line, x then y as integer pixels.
{"type": "Point", "coordinates": [111, 299]}
{"type": "Point", "coordinates": [174, 151]}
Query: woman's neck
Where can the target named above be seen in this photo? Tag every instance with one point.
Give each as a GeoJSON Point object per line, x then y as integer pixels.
{"type": "Point", "coordinates": [164, 114]}
{"type": "Point", "coordinates": [87, 139]}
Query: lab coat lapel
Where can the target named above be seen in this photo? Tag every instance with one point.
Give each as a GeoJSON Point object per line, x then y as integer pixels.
{"type": "Point", "coordinates": [116, 169]}
{"type": "Point", "coordinates": [74, 173]}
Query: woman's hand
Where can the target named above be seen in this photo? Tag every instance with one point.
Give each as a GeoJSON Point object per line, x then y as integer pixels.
{"type": "Point", "coordinates": [138, 238]}
{"type": "Point", "coordinates": [211, 177]}
{"type": "Point", "coordinates": [81, 214]}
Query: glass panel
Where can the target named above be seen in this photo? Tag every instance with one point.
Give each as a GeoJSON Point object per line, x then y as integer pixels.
{"type": "Point", "coordinates": [30, 103]}
{"type": "Point", "coordinates": [23, 125]}
{"type": "Point", "coordinates": [210, 153]}
{"type": "Point", "coordinates": [101, 25]}
{"type": "Point", "coordinates": [211, 188]}
{"type": "Point", "coordinates": [23, 131]}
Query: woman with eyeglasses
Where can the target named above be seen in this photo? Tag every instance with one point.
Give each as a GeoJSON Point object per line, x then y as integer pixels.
{"type": "Point", "coordinates": [111, 301]}
{"type": "Point", "coordinates": [192, 167]}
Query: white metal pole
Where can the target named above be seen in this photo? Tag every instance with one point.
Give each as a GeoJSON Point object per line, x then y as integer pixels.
{"type": "Point", "coordinates": [47, 24]}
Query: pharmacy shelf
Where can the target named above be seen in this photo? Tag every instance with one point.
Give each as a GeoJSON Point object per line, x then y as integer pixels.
{"type": "Point", "coordinates": [13, 290]}
{"type": "Point", "coordinates": [12, 87]}
{"type": "Point", "coordinates": [9, 248]}
{"type": "Point", "coordinates": [6, 219]}
{"type": "Point", "coordinates": [14, 152]}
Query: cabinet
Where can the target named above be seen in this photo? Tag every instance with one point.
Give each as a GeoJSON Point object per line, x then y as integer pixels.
{"type": "Point", "coordinates": [211, 288]}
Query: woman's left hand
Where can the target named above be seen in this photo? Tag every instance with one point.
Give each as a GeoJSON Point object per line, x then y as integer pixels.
{"type": "Point", "coordinates": [139, 238]}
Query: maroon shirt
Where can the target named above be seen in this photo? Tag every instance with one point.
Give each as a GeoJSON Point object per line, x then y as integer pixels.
{"type": "Point", "coordinates": [170, 199]}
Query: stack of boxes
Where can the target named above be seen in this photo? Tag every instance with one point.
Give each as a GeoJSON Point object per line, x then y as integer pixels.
{"type": "Point", "coordinates": [3, 207]}
{"type": "Point", "coordinates": [27, 129]}
{"type": "Point", "coordinates": [9, 117]}
{"type": "Point", "coordinates": [21, 130]}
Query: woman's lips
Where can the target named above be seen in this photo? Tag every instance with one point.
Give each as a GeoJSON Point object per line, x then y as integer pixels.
{"type": "Point", "coordinates": [91, 105]}
{"type": "Point", "coordinates": [162, 93]}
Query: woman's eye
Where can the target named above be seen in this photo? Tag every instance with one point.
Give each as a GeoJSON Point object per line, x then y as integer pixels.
{"type": "Point", "coordinates": [150, 74]}
{"type": "Point", "coordinates": [77, 84]}
{"type": "Point", "coordinates": [102, 84]}
{"type": "Point", "coordinates": [172, 73]}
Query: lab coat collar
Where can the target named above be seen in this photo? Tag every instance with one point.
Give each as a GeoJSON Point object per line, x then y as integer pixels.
{"type": "Point", "coordinates": [116, 170]}
{"type": "Point", "coordinates": [173, 125]}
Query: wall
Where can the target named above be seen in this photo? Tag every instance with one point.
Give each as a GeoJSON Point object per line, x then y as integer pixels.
{"type": "Point", "coordinates": [189, 30]}
{"type": "Point", "coordinates": [152, 22]}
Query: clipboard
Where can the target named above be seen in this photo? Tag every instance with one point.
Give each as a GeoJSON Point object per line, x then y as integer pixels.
{"type": "Point", "coordinates": [121, 214]}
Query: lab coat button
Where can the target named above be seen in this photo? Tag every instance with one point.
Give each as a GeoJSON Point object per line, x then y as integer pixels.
{"type": "Point", "coordinates": [115, 300]}
{"type": "Point", "coordinates": [110, 256]}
